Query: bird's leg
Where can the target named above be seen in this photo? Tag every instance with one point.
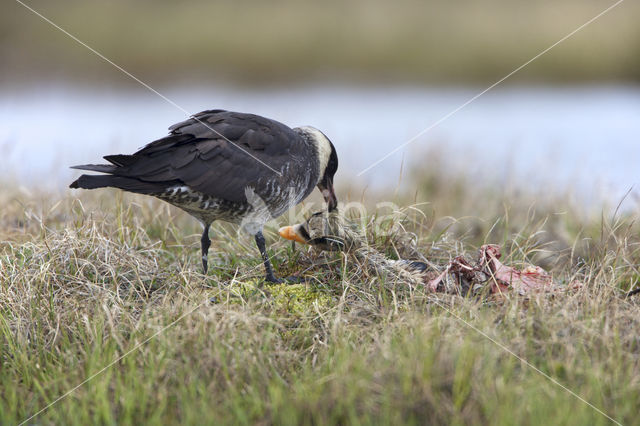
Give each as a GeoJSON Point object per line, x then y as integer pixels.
{"type": "Point", "coordinates": [205, 244]}
{"type": "Point", "coordinates": [267, 263]}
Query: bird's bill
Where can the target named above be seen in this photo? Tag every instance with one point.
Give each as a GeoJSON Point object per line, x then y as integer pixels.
{"type": "Point", "coordinates": [289, 233]}
{"type": "Point", "coordinates": [330, 196]}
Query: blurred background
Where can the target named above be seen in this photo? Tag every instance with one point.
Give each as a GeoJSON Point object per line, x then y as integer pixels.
{"type": "Point", "coordinates": [371, 74]}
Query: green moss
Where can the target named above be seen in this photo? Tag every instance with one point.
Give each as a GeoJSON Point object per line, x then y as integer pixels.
{"type": "Point", "coordinates": [285, 298]}
{"type": "Point", "coordinates": [298, 299]}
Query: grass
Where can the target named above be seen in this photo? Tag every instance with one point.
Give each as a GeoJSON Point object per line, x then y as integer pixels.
{"type": "Point", "coordinates": [95, 279]}
{"type": "Point", "coordinates": [285, 41]}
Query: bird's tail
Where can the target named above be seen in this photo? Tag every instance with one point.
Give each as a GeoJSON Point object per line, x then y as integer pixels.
{"type": "Point", "coordinates": [125, 183]}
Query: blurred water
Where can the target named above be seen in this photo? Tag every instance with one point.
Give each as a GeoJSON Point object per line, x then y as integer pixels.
{"type": "Point", "coordinates": [584, 138]}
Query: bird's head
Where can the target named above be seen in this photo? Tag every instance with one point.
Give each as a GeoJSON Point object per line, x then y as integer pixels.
{"type": "Point", "coordinates": [322, 230]}
{"type": "Point", "coordinates": [327, 163]}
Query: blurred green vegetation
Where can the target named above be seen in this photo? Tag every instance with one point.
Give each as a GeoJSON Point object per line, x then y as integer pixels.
{"type": "Point", "coordinates": [283, 41]}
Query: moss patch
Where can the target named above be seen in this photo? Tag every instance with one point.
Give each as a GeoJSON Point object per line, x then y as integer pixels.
{"type": "Point", "coordinates": [297, 299]}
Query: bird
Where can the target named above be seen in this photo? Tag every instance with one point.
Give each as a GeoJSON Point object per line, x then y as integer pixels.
{"type": "Point", "coordinates": [223, 165]}
{"type": "Point", "coordinates": [333, 232]}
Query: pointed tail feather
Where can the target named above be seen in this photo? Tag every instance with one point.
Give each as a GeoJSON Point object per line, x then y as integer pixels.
{"type": "Point", "coordinates": [103, 168]}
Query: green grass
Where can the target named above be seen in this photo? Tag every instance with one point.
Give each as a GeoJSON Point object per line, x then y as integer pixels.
{"type": "Point", "coordinates": [85, 281]}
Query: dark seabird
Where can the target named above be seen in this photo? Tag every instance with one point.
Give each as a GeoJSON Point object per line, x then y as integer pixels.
{"type": "Point", "coordinates": [223, 165]}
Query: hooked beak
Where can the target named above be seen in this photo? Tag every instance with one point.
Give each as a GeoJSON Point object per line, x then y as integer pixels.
{"type": "Point", "coordinates": [289, 233]}
{"type": "Point", "coordinates": [329, 195]}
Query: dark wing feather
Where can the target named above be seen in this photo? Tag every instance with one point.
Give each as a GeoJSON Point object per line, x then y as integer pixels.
{"type": "Point", "coordinates": [120, 160]}
{"type": "Point", "coordinates": [213, 153]}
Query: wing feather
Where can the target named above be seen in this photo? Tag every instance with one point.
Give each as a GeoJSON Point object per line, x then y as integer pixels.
{"type": "Point", "coordinates": [209, 157]}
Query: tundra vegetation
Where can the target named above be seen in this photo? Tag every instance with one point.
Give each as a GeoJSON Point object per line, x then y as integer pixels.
{"type": "Point", "coordinates": [101, 295]}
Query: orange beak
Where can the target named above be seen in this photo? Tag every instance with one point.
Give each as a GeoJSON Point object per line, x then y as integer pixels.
{"type": "Point", "coordinates": [289, 233]}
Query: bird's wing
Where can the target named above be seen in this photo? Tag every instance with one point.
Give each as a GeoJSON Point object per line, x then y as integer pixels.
{"type": "Point", "coordinates": [215, 152]}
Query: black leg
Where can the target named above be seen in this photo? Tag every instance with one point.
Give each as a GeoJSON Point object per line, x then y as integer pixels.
{"type": "Point", "coordinates": [267, 264]}
{"type": "Point", "coordinates": [205, 244]}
